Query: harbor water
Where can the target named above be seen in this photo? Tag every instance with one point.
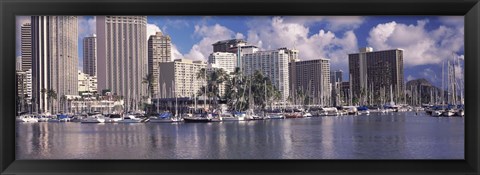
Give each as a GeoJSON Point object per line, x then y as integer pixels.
{"type": "Point", "coordinates": [402, 135]}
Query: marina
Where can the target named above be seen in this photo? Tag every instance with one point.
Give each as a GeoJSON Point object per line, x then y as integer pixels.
{"type": "Point", "coordinates": [393, 135]}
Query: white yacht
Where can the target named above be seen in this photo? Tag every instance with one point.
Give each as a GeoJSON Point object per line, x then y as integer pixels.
{"type": "Point", "coordinates": [129, 118]}
{"type": "Point", "coordinates": [113, 118]}
{"type": "Point", "coordinates": [448, 113]}
{"type": "Point", "coordinates": [26, 118]}
{"type": "Point", "coordinates": [330, 111]}
{"type": "Point", "coordinates": [42, 118]}
{"type": "Point", "coordinates": [98, 118]}
{"type": "Point", "coordinates": [239, 116]}
{"type": "Point", "coordinates": [436, 113]}
{"type": "Point", "coordinates": [307, 114]}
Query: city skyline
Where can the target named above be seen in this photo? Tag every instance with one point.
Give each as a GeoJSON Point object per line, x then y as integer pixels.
{"type": "Point", "coordinates": [433, 38]}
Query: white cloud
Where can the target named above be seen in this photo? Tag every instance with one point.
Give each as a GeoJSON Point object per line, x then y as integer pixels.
{"type": "Point", "coordinates": [334, 23]}
{"type": "Point", "coordinates": [209, 35]}
{"type": "Point", "coordinates": [453, 20]}
{"type": "Point", "coordinates": [344, 22]}
{"type": "Point", "coordinates": [86, 26]}
{"type": "Point", "coordinates": [430, 75]}
{"type": "Point", "coordinates": [152, 29]}
{"type": "Point", "coordinates": [410, 78]}
{"type": "Point", "coordinates": [322, 44]}
{"type": "Point", "coordinates": [175, 53]}
{"type": "Point", "coordinates": [420, 46]}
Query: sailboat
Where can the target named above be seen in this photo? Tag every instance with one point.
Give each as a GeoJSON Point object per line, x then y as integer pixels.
{"type": "Point", "coordinates": [204, 116]}
{"type": "Point", "coordinates": [250, 114]}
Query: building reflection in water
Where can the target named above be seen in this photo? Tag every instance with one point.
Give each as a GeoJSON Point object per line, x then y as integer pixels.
{"type": "Point", "coordinates": [343, 137]}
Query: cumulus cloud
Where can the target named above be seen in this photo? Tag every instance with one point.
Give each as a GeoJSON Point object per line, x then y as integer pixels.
{"type": "Point", "coordinates": [452, 20]}
{"type": "Point", "coordinates": [209, 35]}
{"type": "Point", "coordinates": [279, 33]}
{"type": "Point", "coordinates": [410, 78]}
{"type": "Point", "coordinates": [344, 22]}
{"type": "Point", "coordinates": [420, 46]}
{"type": "Point", "coordinates": [86, 26]}
{"type": "Point", "coordinates": [333, 23]}
{"type": "Point", "coordinates": [175, 53]}
{"type": "Point", "coordinates": [152, 29]}
{"type": "Point", "coordinates": [429, 74]}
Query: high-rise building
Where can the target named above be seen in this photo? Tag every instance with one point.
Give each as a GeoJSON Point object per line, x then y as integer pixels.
{"type": "Point", "coordinates": [273, 64]}
{"type": "Point", "coordinates": [86, 83]}
{"type": "Point", "coordinates": [180, 77]}
{"type": "Point", "coordinates": [335, 81]}
{"type": "Point", "coordinates": [26, 39]}
{"type": "Point", "coordinates": [54, 58]}
{"type": "Point", "coordinates": [159, 51]}
{"type": "Point", "coordinates": [90, 55]}
{"type": "Point", "coordinates": [336, 76]}
{"type": "Point", "coordinates": [21, 89]}
{"type": "Point", "coordinates": [122, 55]}
{"type": "Point", "coordinates": [224, 60]}
{"type": "Point", "coordinates": [345, 93]}
{"type": "Point", "coordinates": [310, 78]}
{"type": "Point", "coordinates": [28, 86]}
{"type": "Point", "coordinates": [375, 72]}
{"type": "Point", "coordinates": [230, 45]}
{"type": "Point", "coordinates": [18, 65]}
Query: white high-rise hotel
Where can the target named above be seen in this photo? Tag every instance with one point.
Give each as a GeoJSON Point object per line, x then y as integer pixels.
{"type": "Point", "coordinates": [273, 64]}
{"type": "Point", "coordinates": [122, 55]}
{"type": "Point", "coordinates": [225, 60]}
{"type": "Point", "coordinates": [54, 57]}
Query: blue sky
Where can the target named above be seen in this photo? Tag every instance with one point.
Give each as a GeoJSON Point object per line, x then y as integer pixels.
{"type": "Point", "coordinates": [427, 40]}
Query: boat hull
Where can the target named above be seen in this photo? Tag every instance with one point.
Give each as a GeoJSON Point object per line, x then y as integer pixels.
{"type": "Point", "coordinates": [196, 120]}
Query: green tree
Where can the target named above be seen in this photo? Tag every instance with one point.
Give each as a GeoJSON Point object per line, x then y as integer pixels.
{"type": "Point", "coordinates": [51, 96]}
{"type": "Point", "coordinates": [149, 79]}
{"type": "Point", "coordinates": [214, 79]}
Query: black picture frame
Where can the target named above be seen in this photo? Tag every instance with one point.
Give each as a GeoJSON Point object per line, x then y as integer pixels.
{"type": "Point", "coordinates": [10, 8]}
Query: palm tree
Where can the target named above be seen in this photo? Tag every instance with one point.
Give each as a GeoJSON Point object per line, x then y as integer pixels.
{"type": "Point", "coordinates": [149, 80]}
{"type": "Point", "coordinates": [214, 79]}
{"type": "Point", "coordinates": [51, 95]}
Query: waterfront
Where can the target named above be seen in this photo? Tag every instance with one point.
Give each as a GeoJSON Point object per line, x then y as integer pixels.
{"type": "Point", "coordinates": [402, 135]}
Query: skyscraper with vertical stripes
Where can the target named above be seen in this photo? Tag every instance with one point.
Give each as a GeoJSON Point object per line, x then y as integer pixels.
{"type": "Point", "coordinates": [54, 59]}
{"type": "Point", "coordinates": [122, 55]}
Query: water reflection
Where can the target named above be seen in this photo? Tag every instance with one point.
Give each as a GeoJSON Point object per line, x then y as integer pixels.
{"type": "Point", "coordinates": [393, 136]}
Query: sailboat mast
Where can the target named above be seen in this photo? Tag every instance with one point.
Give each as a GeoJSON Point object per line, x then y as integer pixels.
{"type": "Point", "coordinates": [205, 88]}
{"type": "Point", "coordinates": [265, 87]}
{"type": "Point", "coordinates": [391, 95]}
{"type": "Point", "coordinates": [443, 87]}
{"type": "Point", "coordinates": [176, 100]}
